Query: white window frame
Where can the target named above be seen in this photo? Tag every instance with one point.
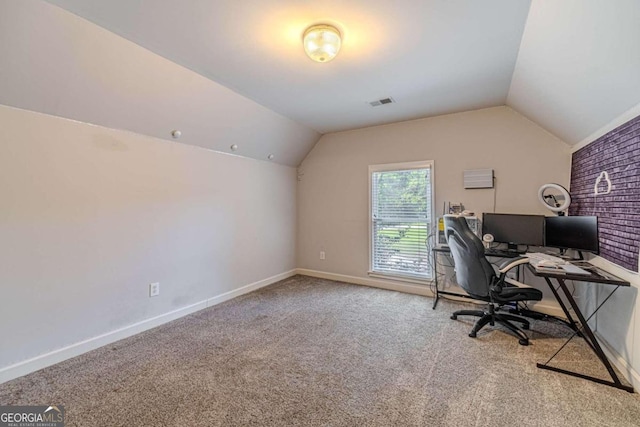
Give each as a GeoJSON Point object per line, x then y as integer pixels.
{"type": "Point", "coordinates": [392, 167]}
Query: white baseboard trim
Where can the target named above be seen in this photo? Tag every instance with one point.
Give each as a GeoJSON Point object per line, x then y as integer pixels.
{"type": "Point", "coordinates": [388, 284]}
{"type": "Point", "coordinates": [249, 288]}
{"type": "Point", "coordinates": [620, 362]}
{"type": "Point", "coordinates": [547, 307]}
{"type": "Point", "coordinates": [51, 358]}
{"type": "Point", "coordinates": [56, 356]}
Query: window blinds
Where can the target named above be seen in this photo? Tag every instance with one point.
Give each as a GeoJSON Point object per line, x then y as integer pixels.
{"type": "Point", "coordinates": [401, 210]}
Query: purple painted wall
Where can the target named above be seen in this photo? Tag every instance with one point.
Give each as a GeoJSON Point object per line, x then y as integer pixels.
{"type": "Point", "coordinates": [618, 153]}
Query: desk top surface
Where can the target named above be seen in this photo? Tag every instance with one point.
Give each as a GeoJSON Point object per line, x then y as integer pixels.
{"type": "Point", "coordinates": [597, 275]}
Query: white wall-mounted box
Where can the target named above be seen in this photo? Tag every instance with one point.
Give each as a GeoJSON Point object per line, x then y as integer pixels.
{"type": "Point", "coordinates": [478, 178]}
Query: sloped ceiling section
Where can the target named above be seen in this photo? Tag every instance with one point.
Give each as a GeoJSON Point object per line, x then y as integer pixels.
{"type": "Point", "coordinates": [432, 56]}
{"type": "Point", "coordinates": [57, 63]}
{"type": "Point", "coordinates": [579, 65]}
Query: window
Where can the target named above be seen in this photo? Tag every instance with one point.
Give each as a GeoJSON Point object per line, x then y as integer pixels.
{"type": "Point", "coordinates": [401, 219]}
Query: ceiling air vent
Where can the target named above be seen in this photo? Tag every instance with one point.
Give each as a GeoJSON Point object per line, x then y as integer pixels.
{"type": "Point", "coordinates": [382, 102]}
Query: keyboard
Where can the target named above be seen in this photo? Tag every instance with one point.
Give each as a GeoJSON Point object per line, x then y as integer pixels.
{"type": "Point", "coordinates": [535, 258]}
{"type": "Point", "coordinates": [501, 253]}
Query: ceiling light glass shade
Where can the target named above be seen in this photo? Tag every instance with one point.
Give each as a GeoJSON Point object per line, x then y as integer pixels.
{"type": "Point", "coordinates": [322, 42]}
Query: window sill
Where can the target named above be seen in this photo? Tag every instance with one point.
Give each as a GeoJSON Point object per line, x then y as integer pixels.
{"type": "Point", "coordinates": [401, 278]}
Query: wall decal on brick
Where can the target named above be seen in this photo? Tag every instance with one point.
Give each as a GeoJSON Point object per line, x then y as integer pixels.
{"type": "Point", "coordinates": [618, 153]}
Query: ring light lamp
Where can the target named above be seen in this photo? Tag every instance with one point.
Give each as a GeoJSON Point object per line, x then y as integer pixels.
{"type": "Point", "coordinates": [554, 197]}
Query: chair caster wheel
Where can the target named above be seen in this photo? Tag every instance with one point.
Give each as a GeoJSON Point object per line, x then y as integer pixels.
{"type": "Point", "coordinates": [472, 334]}
{"type": "Point", "coordinates": [523, 342]}
{"type": "Point", "coordinates": [454, 317]}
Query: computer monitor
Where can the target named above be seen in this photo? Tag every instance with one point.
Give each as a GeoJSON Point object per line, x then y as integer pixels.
{"type": "Point", "coordinates": [572, 232]}
{"type": "Point", "coordinates": [514, 229]}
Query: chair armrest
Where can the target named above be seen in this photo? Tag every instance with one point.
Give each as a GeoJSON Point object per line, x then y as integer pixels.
{"type": "Point", "coordinates": [511, 263]}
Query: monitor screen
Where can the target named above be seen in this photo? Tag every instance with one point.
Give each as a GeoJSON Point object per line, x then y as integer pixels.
{"type": "Point", "coordinates": [572, 232]}
{"type": "Point", "coordinates": [514, 229]}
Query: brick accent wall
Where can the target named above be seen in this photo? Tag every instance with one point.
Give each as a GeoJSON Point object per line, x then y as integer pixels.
{"type": "Point", "coordinates": [618, 153]}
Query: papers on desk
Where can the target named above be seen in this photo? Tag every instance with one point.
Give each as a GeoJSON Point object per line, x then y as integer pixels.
{"type": "Point", "coordinates": [545, 263]}
{"type": "Point", "coordinates": [562, 269]}
{"type": "Point", "coordinates": [574, 269]}
{"type": "Point", "coordinates": [548, 269]}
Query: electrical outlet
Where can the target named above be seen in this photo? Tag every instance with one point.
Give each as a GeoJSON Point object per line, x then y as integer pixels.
{"type": "Point", "coordinates": [154, 289]}
{"type": "Point", "coordinates": [321, 254]}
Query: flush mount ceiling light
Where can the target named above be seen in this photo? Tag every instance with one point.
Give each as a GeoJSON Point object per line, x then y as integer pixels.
{"type": "Point", "coordinates": [322, 42]}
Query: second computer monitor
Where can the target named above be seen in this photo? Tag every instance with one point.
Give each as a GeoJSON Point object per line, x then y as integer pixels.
{"type": "Point", "coordinates": [514, 229]}
{"type": "Point", "coordinates": [573, 232]}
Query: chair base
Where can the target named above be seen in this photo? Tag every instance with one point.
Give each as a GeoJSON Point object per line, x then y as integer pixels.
{"type": "Point", "coordinates": [490, 316]}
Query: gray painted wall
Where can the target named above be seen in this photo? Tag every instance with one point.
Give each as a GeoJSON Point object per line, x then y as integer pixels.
{"type": "Point", "coordinates": [90, 216]}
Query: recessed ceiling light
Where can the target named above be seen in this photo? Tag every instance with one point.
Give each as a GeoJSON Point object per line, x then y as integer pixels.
{"type": "Point", "coordinates": [234, 147]}
{"type": "Point", "coordinates": [322, 42]}
{"type": "Point", "coordinates": [176, 134]}
{"type": "Point", "coordinates": [270, 157]}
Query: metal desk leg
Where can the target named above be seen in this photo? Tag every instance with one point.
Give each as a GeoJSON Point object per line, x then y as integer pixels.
{"type": "Point", "coordinates": [591, 340]}
{"type": "Point", "coordinates": [571, 323]}
{"type": "Point", "coordinates": [435, 274]}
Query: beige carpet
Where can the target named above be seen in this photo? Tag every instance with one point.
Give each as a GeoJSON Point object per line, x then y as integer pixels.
{"type": "Point", "coordinates": [309, 352]}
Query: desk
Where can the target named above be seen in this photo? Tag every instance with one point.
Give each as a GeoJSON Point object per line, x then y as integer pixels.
{"type": "Point", "coordinates": [445, 250]}
{"type": "Point", "coordinates": [581, 326]}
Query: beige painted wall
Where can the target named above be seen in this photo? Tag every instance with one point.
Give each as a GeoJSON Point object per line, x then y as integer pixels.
{"type": "Point", "coordinates": [333, 182]}
{"type": "Point", "coordinates": [90, 216]}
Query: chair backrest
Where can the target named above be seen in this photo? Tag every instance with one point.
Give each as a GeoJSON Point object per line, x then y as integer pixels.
{"type": "Point", "coordinates": [474, 273]}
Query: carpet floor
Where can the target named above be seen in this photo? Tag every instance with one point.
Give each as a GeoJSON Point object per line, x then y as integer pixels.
{"type": "Point", "coordinates": [313, 352]}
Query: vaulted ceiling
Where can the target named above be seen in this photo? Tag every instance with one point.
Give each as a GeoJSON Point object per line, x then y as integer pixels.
{"type": "Point", "coordinates": [431, 56]}
{"type": "Point", "coordinates": [230, 72]}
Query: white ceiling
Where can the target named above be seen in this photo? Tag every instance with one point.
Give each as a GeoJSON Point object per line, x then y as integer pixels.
{"type": "Point", "coordinates": [234, 72]}
{"type": "Point", "coordinates": [579, 65]}
{"type": "Point", "coordinates": [57, 63]}
{"type": "Point", "coordinates": [431, 56]}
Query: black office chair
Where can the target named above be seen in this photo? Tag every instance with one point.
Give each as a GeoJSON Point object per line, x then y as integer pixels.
{"type": "Point", "coordinates": [478, 278]}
